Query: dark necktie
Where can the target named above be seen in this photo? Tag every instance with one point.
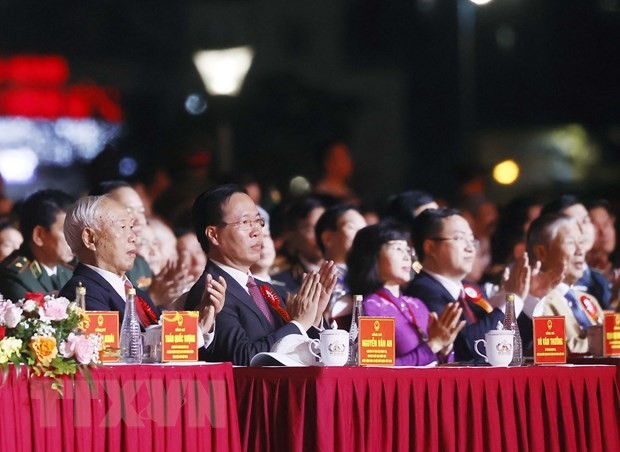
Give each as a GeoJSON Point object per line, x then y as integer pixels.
{"type": "Point", "coordinates": [575, 305]}
{"type": "Point", "coordinates": [55, 281]}
{"type": "Point", "coordinates": [467, 312]}
{"type": "Point", "coordinates": [257, 296]}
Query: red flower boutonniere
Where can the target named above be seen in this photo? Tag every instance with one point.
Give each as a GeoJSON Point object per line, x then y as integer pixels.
{"type": "Point", "coordinates": [272, 298]}
{"type": "Point", "coordinates": [473, 294]}
{"type": "Point", "coordinates": [146, 314]}
{"type": "Point", "coordinates": [39, 297]}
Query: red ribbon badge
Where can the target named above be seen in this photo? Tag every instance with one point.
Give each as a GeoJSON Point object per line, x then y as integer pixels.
{"type": "Point", "coordinates": [272, 298]}
{"type": "Point", "coordinates": [474, 295]}
{"type": "Point", "coordinates": [146, 314]}
{"type": "Point", "coordinates": [589, 308]}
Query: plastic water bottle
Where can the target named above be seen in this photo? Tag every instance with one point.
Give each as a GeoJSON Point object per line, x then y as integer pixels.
{"type": "Point", "coordinates": [354, 331]}
{"type": "Point", "coordinates": [510, 323]}
{"type": "Point", "coordinates": [131, 338]}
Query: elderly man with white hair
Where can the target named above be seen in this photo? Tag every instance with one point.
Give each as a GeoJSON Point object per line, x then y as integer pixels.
{"type": "Point", "coordinates": [99, 230]}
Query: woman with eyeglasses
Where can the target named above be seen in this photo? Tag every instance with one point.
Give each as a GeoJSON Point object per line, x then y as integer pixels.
{"type": "Point", "coordinates": [379, 265]}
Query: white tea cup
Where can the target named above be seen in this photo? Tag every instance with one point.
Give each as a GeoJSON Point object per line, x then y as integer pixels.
{"type": "Point", "coordinates": [499, 346]}
{"type": "Point", "coordinates": [334, 347]}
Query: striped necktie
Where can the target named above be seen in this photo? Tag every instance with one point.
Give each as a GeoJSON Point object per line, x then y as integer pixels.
{"type": "Point", "coordinates": [258, 298]}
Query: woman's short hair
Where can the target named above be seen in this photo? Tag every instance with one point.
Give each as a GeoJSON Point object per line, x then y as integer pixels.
{"type": "Point", "coordinates": [363, 260]}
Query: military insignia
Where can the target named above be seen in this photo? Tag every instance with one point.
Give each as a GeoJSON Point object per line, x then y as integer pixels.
{"type": "Point", "coordinates": [35, 268]}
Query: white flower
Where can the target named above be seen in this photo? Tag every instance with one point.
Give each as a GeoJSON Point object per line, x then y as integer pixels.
{"type": "Point", "coordinates": [29, 305]}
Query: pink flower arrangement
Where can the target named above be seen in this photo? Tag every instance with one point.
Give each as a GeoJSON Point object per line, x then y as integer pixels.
{"type": "Point", "coordinates": [46, 334]}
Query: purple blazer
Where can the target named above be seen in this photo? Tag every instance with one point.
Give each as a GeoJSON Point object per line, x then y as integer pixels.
{"type": "Point", "coordinates": [411, 350]}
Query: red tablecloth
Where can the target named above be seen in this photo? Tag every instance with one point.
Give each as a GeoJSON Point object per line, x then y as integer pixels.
{"type": "Point", "coordinates": [561, 408]}
{"type": "Point", "coordinates": [130, 408]}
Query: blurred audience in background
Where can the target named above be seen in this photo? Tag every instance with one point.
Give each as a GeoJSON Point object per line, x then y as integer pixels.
{"type": "Point", "coordinates": [604, 255]}
{"type": "Point", "coordinates": [337, 168]}
{"type": "Point", "coordinates": [10, 239]}
{"type": "Point", "coordinates": [300, 253]}
{"type": "Point", "coordinates": [335, 232]}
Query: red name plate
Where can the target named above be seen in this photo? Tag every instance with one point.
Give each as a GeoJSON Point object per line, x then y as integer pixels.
{"type": "Point", "coordinates": [179, 336]}
{"type": "Point", "coordinates": [376, 341]}
{"type": "Point", "coordinates": [105, 323]}
{"type": "Point", "coordinates": [611, 334]}
{"type": "Point", "coordinates": [550, 340]}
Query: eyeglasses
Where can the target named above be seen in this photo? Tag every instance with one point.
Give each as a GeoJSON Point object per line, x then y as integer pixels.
{"type": "Point", "coordinates": [246, 225]}
{"type": "Point", "coordinates": [403, 249]}
{"type": "Point", "coordinates": [475, 243]}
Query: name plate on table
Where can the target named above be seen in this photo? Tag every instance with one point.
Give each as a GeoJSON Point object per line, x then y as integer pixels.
{"type": "Point", "coordinates": [179, 336]}
{"type": "Point", "coordinates": [105, 323]}
{"type": "Point", "coordinates": [611, 336]}
{"type": "Point", "coordinates": [376, 341]}
{"type": "Point", "coordinates": [550, 340]}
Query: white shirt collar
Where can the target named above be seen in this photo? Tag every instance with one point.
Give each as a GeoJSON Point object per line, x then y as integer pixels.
{"type": "Point", "coordinates": [453, 288]}
{"type": "Point", "coordinates": [237, 275]}
{"type": "Point", "coordinates": [115, 281]}
{"type": "Point", "coordinates": [48, 270]}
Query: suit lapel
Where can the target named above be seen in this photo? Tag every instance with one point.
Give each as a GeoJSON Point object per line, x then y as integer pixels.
{"type": "Point", "coordinates": [84, 271]}
{"type": "Point", "coordinates": [235, 290]}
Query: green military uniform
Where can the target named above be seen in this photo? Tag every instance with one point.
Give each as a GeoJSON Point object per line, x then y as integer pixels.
{"type": "Point", "coordinates": [21, 273]}
{"type": "Point", "coordinates": [140, 275]}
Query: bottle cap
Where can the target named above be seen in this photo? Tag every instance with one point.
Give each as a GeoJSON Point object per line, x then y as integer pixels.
{"type": "Point", "coordinates": [131, 291]}
{"type": "Point", "coordinates": [510, 297]}
{"type": "Point", "coordinates": [358, 298]}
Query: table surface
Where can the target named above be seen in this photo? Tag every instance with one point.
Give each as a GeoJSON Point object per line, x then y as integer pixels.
{"type": "Point", "coordinates": [122, 407]}
{"type": "Point", "coordinates": [540, 408]}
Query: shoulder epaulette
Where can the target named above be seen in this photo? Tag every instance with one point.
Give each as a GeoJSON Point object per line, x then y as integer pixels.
{"type": "Point", "coordinates": [19, 264]}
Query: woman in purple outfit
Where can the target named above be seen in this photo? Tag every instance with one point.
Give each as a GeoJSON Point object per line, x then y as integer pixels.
{"type": "Point", "coordinates": [379, 264]}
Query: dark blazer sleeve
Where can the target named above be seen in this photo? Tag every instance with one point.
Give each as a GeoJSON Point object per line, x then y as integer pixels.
{"type": "Point", "coordinates": [436, 298]}
{"type": "Point", "coordinates": [241, 330]}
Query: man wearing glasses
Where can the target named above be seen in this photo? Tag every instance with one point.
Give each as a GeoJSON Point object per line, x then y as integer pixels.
{"type": "Point", "coordinates": [446, 246]}
{"type": "Point", "coordinates": [229, 229]}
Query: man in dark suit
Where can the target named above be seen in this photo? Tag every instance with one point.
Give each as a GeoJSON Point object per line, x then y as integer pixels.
{"type": "Point", "coordinates": [446, 246]}
{"type": "Point", "coordinates": [100, 231]}
{"type": "Point", "coordinates": [43, 262]}
{"type": "Point", "coordinates": [229, 229]}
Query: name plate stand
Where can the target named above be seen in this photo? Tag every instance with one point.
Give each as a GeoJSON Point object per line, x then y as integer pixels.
{"type": "Point", "coordinates": [549, 340]}
{"type": "Point", "coordinates": [179, 336]}
{"type": "Point", "coordinates": [107, 324]}
{"type": "Point", "coordinates": [611, 334]}
{"type": "Point", "coordinates": [376, 341]}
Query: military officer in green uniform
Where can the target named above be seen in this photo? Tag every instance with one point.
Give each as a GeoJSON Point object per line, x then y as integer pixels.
{"type": "Point", "coordinates": [43, 262]}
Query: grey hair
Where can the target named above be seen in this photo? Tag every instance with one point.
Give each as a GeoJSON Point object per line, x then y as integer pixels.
{"type": "Point", "coordinates": [80, 215]}
{"type": "Point", "coordinates": [544, 230]}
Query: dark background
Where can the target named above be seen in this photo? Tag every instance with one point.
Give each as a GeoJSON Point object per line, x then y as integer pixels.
{"type": "Point", "coordinates": [422, 103]}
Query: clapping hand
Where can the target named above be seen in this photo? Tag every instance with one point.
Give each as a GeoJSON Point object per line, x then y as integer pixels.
{"type": "Point", "coordinates": [543, 281]}
{"type": "Point", "coordinates": [517, 280]}
{"type": "Point", "coordinates": [442, 329]}
{"type": "Point", "coordinates": [303, 306]}
{"type": "Point", "coordinates": [328, 277]}
{"type": "Point", "coordinates": [170, 283]}
{"type": "Point", "coordinates": [212, 302]}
